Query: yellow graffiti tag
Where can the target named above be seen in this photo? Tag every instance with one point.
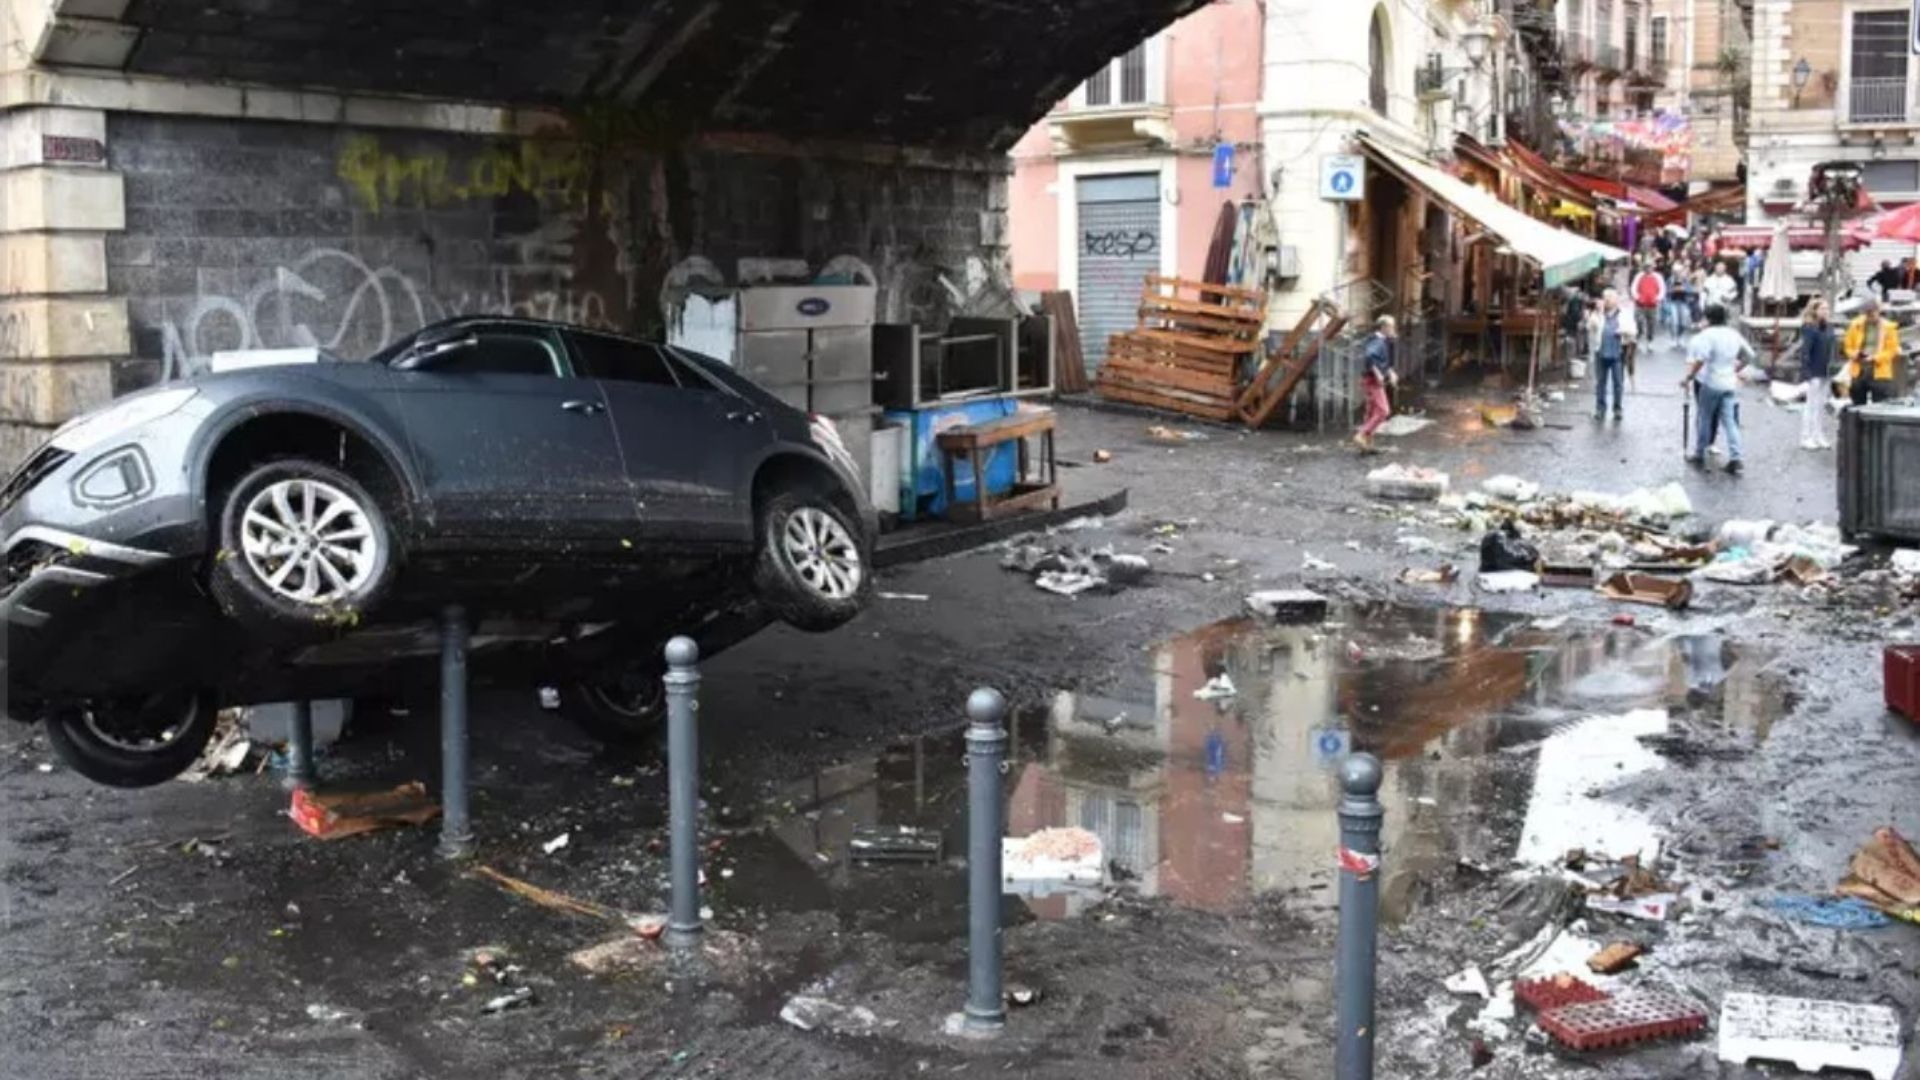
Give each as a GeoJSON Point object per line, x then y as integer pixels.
{"type": "Point", "coordinates": [552, 170]}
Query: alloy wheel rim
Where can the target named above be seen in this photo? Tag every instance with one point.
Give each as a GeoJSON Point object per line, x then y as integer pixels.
{"type": "Point", "coordinates": [823, 553]}
{"type": "Point", "coordinates": [131, 729]}
{"type": "Point", "coordinates": [308, 541]}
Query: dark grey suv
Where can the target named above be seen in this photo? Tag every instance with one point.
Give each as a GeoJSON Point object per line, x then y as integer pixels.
{"type": "Point", "coordinates": [290, 532]}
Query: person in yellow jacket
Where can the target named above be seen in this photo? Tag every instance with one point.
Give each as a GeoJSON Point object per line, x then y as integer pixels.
{"type": "Point", "coordinates": [1872, 349]}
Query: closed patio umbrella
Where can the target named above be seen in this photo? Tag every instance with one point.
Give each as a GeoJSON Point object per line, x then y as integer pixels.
{"type": "Point", "coordinates": [1776, 274]}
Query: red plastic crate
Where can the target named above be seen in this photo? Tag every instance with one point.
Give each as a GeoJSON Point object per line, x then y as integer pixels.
{"type": "Point", "coordinates": [1900, 666]}
{"type": "Point", "coordinates": [1631, 1017]}
{"type": "Point", "coordinates": [1554, 991]}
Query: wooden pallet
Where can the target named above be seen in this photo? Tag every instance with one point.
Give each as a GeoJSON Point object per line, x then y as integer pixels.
{"type": "Point", "coordinates": [1189, 349]}
{"type": "Point", "coordinates": [1287, 365]}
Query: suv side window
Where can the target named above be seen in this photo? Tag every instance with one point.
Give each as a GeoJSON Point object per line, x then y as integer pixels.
{"type": "Point", "coordinates": [602, 357]}
{"type": "Point", "coordinates": [502, 350]}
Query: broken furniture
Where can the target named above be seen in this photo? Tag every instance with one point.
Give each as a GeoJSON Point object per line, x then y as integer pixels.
{"type": "Point", "coordinates": [974, 442]}
{"type": "Point", "coordinates": [1879, 485]}
{"type": "Point", "coordinates": [1288, 364]}
{"type": "Point", "coordinates": [1188, 351]}
{"type": "Point", "coordinates": [916, 368]}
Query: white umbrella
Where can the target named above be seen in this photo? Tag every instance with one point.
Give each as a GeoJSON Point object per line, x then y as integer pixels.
{"type": "Point", "coordinates": [1776, 277]}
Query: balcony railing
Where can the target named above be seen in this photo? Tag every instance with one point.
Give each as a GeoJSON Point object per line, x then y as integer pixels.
{"type": "Point", "coordinates": [1877, 100]}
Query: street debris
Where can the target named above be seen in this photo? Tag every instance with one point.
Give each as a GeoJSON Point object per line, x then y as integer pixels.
{"type": "Point", "coordinates": [1843, 913]}
{"type": "Point", "coordinates": [1068, 569]}
{"type": "Point", "coordinates": [1631, 1016]}
{"type": "Point", "coordinates": [226, 752]}
{"type": "Point", "coordinates": [519, 995]}
{"type": "Point", "coordinates": [1439, 575]}
{"type": "Point", "coordinates": [1288, 606]}
{"type": "Point", "coordinates": [1313, 563]}
{"type": "Point", "coordinates": [327, 1014]}
{"type": "Point", "coordinates": [1401, 425]}
{"type": "Point", "coordinates": [1671, 593]}
{"type": "Point", "coordinates": [809, 1012]}
{"type": "Point", "coordinates": [1101, 457]}
{"type": "Point", "coordinates": [1885, 872]}
{"type": "Point", "coordinates": [1614, 958]}
{"type": "Point", "coordinates": [1051, 861]}
{"type": "Point", "coordinates": [1406, 482]}
{"type": "Point", "coordinates": [1163, 434]}
{"type": "Point", "coordinates": [1653, 907]}
{"type": "Point", "coordinates": [916, 597]}
{"type": "Point", "coordinates": [624, 953]}
{"type": "Point", "coordinates": [1503, 549]}
{"type": "Point", "coordinates": [1066, 583]}
{"type": "Point", "coordinates": [332, 815]}
{"type": "Point", "coordinates": [561, 902]}
{"type": "Point", "coordinates": [1023, 995]}
{"type": "Point", "coordinates": [1554, 991]}
{"type": "Point", "coordinates": [1812, 1035]}
{"type": "Point", "coordinates": [896, 843]}
{"type": "Point", "coordinates": [1216, 688]}
{"type": "Point", "coordinates": [1510, 488]}
{"type": "Point", "coordinates": [1472, 982]}
{"type": "Point", "coordinates": [1508, 581]}
{"type": "Point", "coordinates": [557, 843]}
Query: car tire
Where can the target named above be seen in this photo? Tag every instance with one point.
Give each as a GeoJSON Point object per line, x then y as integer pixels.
{"type": "Point", "coordinates": [133, 743]}
{"type": "Point", "coordinates": [335, 576]}
{"type": "Point", "coordinates": [811, 567]}
{"type": "Point", "coordinates": [622, 711]}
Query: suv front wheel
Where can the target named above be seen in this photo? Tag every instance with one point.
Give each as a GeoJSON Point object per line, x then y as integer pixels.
{"type": "Point", "coordinates": [811, 568]}
{"type": "Point", "coordinates": [303, 546]}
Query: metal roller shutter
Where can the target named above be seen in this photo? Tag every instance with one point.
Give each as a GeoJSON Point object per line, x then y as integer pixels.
{"type": "Point", "coordinates": [1119, 246]}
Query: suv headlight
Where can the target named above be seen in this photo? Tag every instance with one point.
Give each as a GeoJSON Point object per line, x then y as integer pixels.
{"type": "Point", "coordinates": [121, 416]}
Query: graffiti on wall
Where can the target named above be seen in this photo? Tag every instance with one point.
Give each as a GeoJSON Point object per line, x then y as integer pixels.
{"type": "Point", "coordinates": [554, 171]}
{"type": "Point", "coordinates": [1120, 243]}
{"type": "Point", "coordinates": [332, 299]}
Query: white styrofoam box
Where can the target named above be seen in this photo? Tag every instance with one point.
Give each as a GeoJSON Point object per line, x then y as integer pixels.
{"type": "Point", "coordinates": [273, 722]}
{"type": "Point", "coordinates": [1812, 1035]}
{"type": "Point", "coordinates": [240, 359]}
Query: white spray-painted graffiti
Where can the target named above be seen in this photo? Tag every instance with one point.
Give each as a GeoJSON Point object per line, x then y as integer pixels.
{"type": "Point", "coordinates": [332, 299]}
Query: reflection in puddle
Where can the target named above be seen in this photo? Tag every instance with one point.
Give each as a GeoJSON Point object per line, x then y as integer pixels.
{"type": "Point", "coordinates": [1212, 802]}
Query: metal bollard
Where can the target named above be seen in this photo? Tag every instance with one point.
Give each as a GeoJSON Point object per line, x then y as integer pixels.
{"type": "Point", "coordinates": [986, 1011]}
{"type": "Point", "coordinates": [1353, 979]}
{"type": "Point", "coordinates": [301, 771]}
{"type": "Point", "coordinates": [456, 828]}
{"type": "Point", "coordinates": [683, 791]}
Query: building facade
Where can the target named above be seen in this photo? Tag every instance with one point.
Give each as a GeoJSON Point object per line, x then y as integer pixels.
{"type": "Point", "coordinates": [1700, 55]}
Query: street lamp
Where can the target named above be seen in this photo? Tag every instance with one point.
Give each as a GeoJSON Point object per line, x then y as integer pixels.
{"type": "Point", "coordinates": [1802, 71]}
{"type": "Point", "coordinates": [1476, 42]}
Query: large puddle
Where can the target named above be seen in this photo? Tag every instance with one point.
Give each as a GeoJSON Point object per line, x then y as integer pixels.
{"type": "Point", "coordinates": [1497, 732]}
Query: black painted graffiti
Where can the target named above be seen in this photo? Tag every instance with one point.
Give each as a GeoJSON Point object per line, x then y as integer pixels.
{"type": "Point", "coordinates": [1120, 243]}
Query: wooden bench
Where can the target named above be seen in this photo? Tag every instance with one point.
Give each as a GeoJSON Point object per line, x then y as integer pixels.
{"type": "Point", "coordinates": [975, 442]}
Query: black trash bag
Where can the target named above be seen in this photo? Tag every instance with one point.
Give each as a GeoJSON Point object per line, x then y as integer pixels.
{"type": "Point", "coordinates": [1502, 549]}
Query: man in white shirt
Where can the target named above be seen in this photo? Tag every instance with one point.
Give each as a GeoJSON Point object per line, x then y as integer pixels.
{"type": "Point", "coordinates": [1715, 357]}
{"type": "Point", "coordinates": [1721, 288]}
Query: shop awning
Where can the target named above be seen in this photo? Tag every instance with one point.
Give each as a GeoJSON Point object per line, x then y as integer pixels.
{"type": "Point", "coordinates": [1561, 255]}
{"type": "Point", "coordinates": [1571, 210]}
{"type": "Point", "coordinates": [1643, 200]}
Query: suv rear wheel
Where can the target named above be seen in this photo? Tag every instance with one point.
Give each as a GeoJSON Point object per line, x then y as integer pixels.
{"type": "Point", "coordinates": [620, 710]}
{"type": "Point", "coordinates": [133, 742]}
{"type": "Point", "coordinates": [302, 546]}
{"type": "Point", "coordinates": [811, 568]}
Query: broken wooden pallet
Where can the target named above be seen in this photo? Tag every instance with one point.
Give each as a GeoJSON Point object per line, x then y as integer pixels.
{"type": "Point", "coordinates": [1287, 365]}
{"type": "Point", "coordinates": [1187, 353]}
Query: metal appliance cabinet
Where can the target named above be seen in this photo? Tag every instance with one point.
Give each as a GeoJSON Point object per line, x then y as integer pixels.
{"type": "Point", "coordinates": [811, 346]}
{"type": "Point", "coordinates": [1879, 465]}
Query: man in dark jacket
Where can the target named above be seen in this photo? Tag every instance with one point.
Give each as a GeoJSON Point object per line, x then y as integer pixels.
{"type": "Point", "coordinates": [1379, 375]}
{"type": "Point", "coordinates": [1818, 343]}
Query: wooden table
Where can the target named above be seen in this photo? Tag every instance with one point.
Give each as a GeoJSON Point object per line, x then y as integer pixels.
{"type": "Point", "coordinates": [976, 441]}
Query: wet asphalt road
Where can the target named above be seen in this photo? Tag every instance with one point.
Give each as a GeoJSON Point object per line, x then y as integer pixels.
{"type": "Point", "coordinates": [125, 955]}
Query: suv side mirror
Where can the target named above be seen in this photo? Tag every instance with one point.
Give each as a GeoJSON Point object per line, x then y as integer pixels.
{"type": "Point", "coordinates": [422, 356]}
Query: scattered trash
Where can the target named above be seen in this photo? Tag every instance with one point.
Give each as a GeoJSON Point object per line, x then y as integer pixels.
{"type": "Point", "coordinates": [917, 597]}
{"type": "Point", "coordinates": [1310, 561]}
{"type": "Point", "coordinates": [1813, 1035]}
{"type": "Point", "coordinates": [1786, 393]}
{"type": "Point", "coordinates": [1614, 958]}
{"type": "Point", "coordinates": [1408, 482]}
{"type": "Point", "coordinates": [1632, 1016]}
{"type": "Point", "coordinates": [519, 995]}
{"type": "Point", "coordinates": [1067, 569]}
{"type": "Point", "coordinates": [1905, 562]}
{"type": "Point", "coordinates": [1022, 995]}
{"type": "Point", "coordinates": [1667, 503]}
{"type": "Point", "coordinates": [1440, 575]}
{"type": "Point", "coordinates": [1401, 425]}
{"type": "Point", "coordinates": [1162, 433]}
{"type": "Point", "coordinates": [226, 752]}
{"type": "Point", "coordinates": [1220, 686]}
{"type": "Point", "coordinates": [1288, 605]}
{"type": "Point", "coordinates": [1511, 488]}
{"type": "Point", "coordinates": [1554, 991]}
{"type": "Point", "coordinates": [1508, 581]}
{"type": "Point", "coordinates": [1227, 818]}
{"type": "Point", "coordinates": [327, 1014]}
{"type": "Point", "coordinates": [335, 814]}
{"type": "Point", "coordinates": [1503, 549]}
{"type": "Point", "coordinates": [1128, 569]}
{"type": "Point", "coordinates": [1653, 907]}
{"type": "Point", "coordinates": [1624, 619]}
{"type": "Point", "coordinates": [1672, 593]}
{"type": "Point", "coordinates": [1479, 1054]}
{"type": "Point", "coordinates": [1052, 860]}
{"type": "Point", "coordinates": [810, 1013]}
{"type": "Point", "coordinates": [1885, 872]}
{"type": "Point", "coordinates": [1843, 913]}
{"type": "Point", "coordinates": [1472, 982]}
{"type": "Point", "coordinates": [896, 843]}
{"type": "Point", "coordinates": [547, 898]}
{"type": "Point", "coordinates": [549, 698]}
{"type": "Point", "coordinates": [1065, 583]}
{"type": "Point", "coordinates": [1101, 457]}
{"type": "Point", "coordinates": [1416, 545]}
{"type": "Point", "coordinates": [557, 843]}
{"type": "Point", "coordinates": [624, 953]}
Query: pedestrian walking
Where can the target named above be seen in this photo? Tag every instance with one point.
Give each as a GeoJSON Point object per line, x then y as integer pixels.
{"type": "Point", "coordinates": [1886, 279]}
{"type": "Point", "coordinates": [1715, 358]}
{"type": "Point", "coordinates": [1817, 343]}
{"type": "Point", "coordinates": [1872, 347]}
{"type": "Point", "coordinates": [1649, 294]}
{"type": "Point", "coordinates": [1610, 333]}
{"type": "Point", "coordinates": [1379, 375]}
{"type": "Point", "coordinates": [1573, 320]}
{"type": "Point", "coordinates": [1721, 288]}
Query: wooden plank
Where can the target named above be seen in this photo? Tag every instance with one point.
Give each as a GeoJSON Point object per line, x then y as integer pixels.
{"type": "Point", "coordinates": [1211, 395]}
{"type": "Point", "coordinates": [1237, 291]}
{"type": "Point", "coordinates": [1024, 496]}
{"type": "Point", "coordinates": [1181, 341]}
{"type": "Point", "coordinates": [1309, 354]}
{"type": "Point", "coordinates": [1281, 356]}
{"type": "Point", "coordinates": [1144, 350]}
{"type": "Point", "coordinates": [1160, 375]}
{"type": "Point", "coordinates": [995, 432]}
{"type": "Point", "coordinates": [1162, 401]}
{"type": "Point", "coordinates": [1069, 362]}
{"type": "Point", "coordinates": [1238, 316]}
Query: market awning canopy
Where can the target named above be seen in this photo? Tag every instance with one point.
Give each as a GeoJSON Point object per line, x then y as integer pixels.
{"type": "Point", "coordinates": [1561, 255]}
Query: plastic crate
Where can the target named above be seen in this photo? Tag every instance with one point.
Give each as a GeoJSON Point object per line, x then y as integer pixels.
{"type": "Point", "coordinates": [1632, 1017]}
{"type": "Point", "coordinates": [1901, 671]}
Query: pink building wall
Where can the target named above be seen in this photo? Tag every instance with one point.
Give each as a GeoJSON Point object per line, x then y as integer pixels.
{"type": "Point", "coordinates": [1212, 68]}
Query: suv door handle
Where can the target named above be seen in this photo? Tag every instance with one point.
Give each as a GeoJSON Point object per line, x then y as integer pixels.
{"type": "Point", "coordinates": [743, 416]}
{"type": "Point", "coordinates": [584, 408]}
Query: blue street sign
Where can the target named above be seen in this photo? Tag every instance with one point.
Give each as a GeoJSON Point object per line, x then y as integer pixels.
{"type": "Point", "coordinates": [1223, 162]}
{"type": "Point", "coordinates": [1331, 746]}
